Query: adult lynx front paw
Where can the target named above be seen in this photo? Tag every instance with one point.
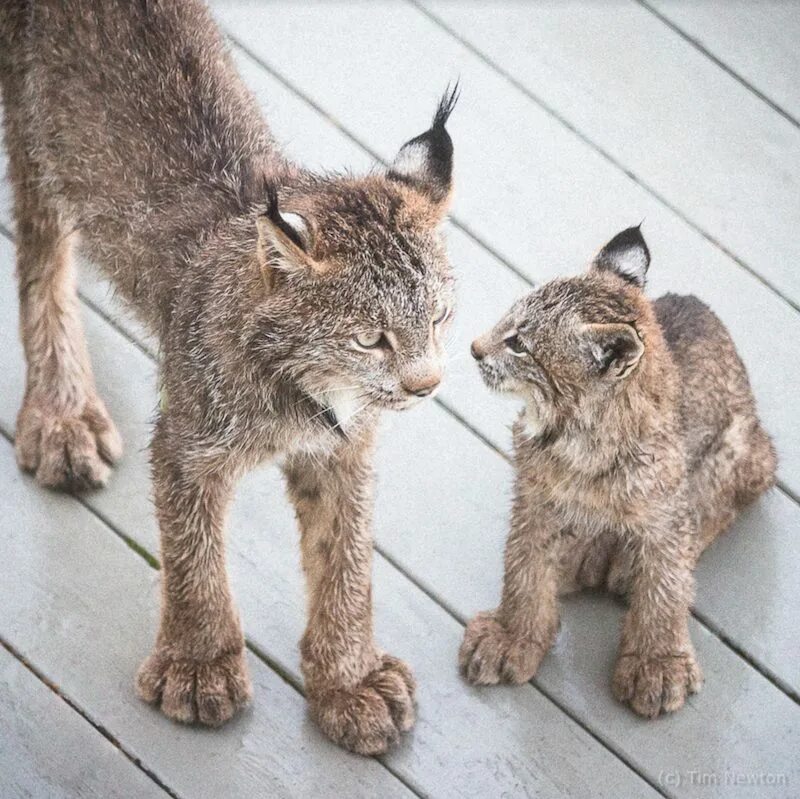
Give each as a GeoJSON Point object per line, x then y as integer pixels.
{"type": "Point", "coordinates": [490, 654]}
{"type": "Point", "coordinates": [655, 685]}
{"type": "Point", "coordinates": [72, 451]}
{"type": "Point", "coordinates": [368, 718]}
{"type": "Point", "coordinates": [190, 690]}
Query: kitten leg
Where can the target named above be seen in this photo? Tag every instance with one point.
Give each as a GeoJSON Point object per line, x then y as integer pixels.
{"type": "Point", "coordinates": [198, 669]}
{"type": "Point", "coordinates": [361, 698]}
{"type": "Point", "coordinates": [64, 434]}
{"type": "Point", "coordinates": [508, 643]}
{"type": "Point", "coordinates": [656, 667]}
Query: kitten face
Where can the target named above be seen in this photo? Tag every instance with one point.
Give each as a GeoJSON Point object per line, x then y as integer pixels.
{"type": "Point", "coordinates": [572, 339]}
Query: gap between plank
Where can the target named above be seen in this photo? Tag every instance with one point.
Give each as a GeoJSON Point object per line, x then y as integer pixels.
{"type": "Point", "coordinates": [700, 47]}
{"type": "Point", "coordinates": [15, 653]}
{"type": "Point", "coordinates": [639, 181]}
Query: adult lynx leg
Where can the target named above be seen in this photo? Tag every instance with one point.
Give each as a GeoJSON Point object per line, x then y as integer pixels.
{"type": "Point", "coordinates": [360, 697]}
{"type": "Point", "coordinates": [198, 669]}
{"type": "Point", "coordinates": [64, 433]}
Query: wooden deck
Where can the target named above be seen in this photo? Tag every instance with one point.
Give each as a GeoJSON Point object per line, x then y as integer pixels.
{"type": "Point", "coordinates": [576, 120]}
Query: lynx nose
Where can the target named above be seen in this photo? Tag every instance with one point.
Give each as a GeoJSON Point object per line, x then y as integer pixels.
{"type": "Point", "coordinates": [477, 352]}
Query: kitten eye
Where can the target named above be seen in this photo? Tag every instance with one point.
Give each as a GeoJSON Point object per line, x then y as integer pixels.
{"type": "Point", "coordinates": [515, 345]}
{"type": "Point", "coordinates": [371, 341]}
{"type": "Point", "coordinates": [441, 315]}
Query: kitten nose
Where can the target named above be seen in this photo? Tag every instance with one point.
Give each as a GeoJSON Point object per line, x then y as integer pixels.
{"type": "Point", "coordinates": [476, 351]}
{"type": "Point", "coordinates": [423, 388]}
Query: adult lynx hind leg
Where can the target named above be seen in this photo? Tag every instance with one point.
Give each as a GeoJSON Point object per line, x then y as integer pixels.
{"type": "Point", "coordinates": [64, 434]}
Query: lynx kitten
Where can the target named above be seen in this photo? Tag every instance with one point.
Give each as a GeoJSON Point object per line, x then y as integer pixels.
{"type": "Point", "coordinates": [638, 443]}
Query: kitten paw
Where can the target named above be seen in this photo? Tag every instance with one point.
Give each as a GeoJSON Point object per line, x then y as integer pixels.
{"type": "Point", "coordinates": [188, 690]}
{"type": "Point", "coordinates": [655, 685]}
{"type": "Point", "coordinates": [368, 718]}
{"type": "Point", "coordinates": [489, 654]}
{"type": "Point", "coordinates": [70, 452]}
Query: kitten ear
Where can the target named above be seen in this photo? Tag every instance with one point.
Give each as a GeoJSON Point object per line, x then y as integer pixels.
{"type": "Point", "coordinates": [426, 162]}
{"type": "Point", "coordinates": [626, 255]}
{"type": "Point", "coordinates": [289, 235]}
{"type": "Point", "coordinates": [615, 349]}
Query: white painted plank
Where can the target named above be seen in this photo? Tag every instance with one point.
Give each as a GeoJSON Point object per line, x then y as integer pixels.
{"type": "Point", "coordinates": [537, 194]}
{"type": "Point", "coordinates": [663, 110]}
{"type": "Point", "coordinates": [82, 608]}
{"type": "Point", "coordinates": [47, 751]}
{"type": "Point", "coordinates": [757, 40]}
{"type": "Point", "coordinates": [443, 757]}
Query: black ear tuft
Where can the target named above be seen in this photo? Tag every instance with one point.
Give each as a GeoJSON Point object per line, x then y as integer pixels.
{"type": "Point", "coordinates": [626, 255]}
{"type": "Point", "coordinates": [446, 106]}
{"type": "Point", "coordinates": [426, 161]}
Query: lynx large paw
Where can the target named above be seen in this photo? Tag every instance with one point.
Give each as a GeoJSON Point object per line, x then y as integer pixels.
{"type": "Point", "coordinates": [188, 690]}
{"type": "Point", "coordinates": [71, 452]}
{"type": "Point", "coordinates": [655, 685]}
{"type": "Point", "coordinates": [369, 718]}
{"type": "Point", "coordinates": [489, 654]}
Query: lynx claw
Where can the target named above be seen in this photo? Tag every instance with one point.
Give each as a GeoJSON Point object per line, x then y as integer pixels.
{"type": "Point", "coordinates": [368, 718]}
{"type": "Point", "coordinates": [656, 685]}
{"type": "Point", "coordinates": [187, 690]}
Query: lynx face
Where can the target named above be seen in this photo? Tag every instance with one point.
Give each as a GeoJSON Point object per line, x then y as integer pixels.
{"type": "Point", "coordinates": [572, 339]}
{"type": "Point", "coordinates": [360, 291]}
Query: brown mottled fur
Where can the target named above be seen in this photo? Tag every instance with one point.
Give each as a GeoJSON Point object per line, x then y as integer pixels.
{"type": "Point", "coordinates": [290, 307]}
{"type": "Point", "coordinates": [638, 443]}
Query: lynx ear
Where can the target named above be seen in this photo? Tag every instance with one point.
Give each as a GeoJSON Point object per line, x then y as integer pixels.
{"type": "Point", "coordinates": [289, 235]}
{"type": "Point", "coordinates": [426, 162]}
{"type": "Point", "coordinates": [615, 348]}
{"type": "Point", "coordinates": [626, 255]}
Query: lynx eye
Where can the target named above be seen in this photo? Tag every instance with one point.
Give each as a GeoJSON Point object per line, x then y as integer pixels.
{"type": "Point", "coordinates": [514, 344]}
{"type": "Point", "coordinates": [442, 314]}
{"type": "Point", "coordinates": [372, 341]}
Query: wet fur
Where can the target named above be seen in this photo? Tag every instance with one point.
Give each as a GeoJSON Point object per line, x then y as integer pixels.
{"type": "Point", "coordinates": [639, 443]}
{"type": "Point", "coordinates": [135, 140]}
